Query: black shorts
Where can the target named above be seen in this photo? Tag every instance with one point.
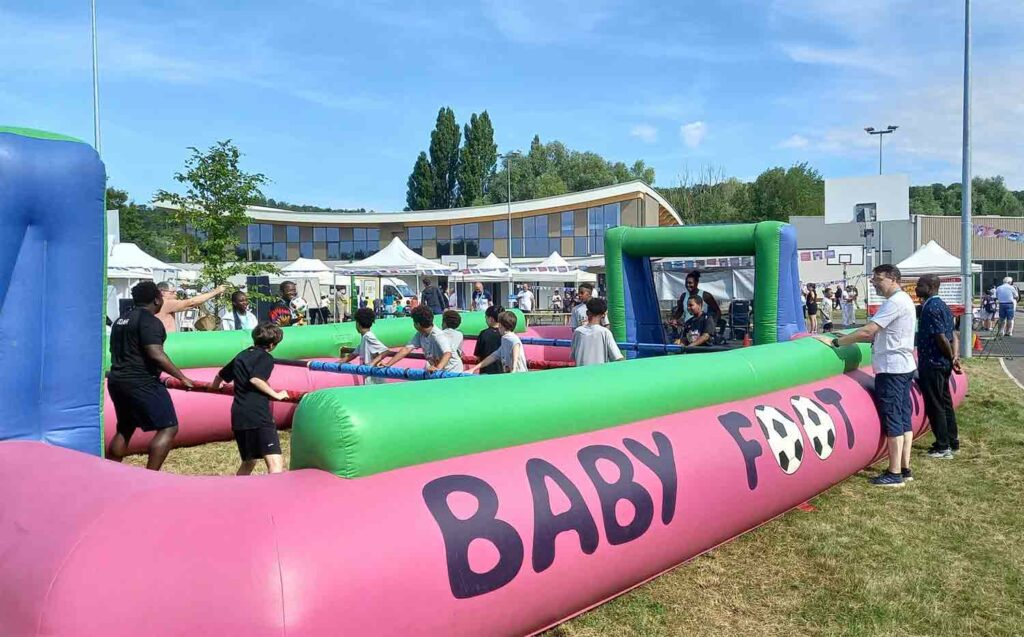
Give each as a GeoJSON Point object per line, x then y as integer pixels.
{"type": "Point", "coordinates": [146, 406]}
{"type": "Point", "coordinates": [254, 444]}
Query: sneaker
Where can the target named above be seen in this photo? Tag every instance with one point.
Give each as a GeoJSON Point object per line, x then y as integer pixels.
{"type": "Point", "coordinates": [907, 475]}
{"type": "Point", "coordinates": [941, 454]}
{"type": "Point", "coordinates": [886, 479]}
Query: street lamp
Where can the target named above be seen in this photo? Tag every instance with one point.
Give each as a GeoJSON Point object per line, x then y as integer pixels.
{"type": "Point", "coordinates": [508, 175]}
{"type": "Point", "coordinates": [870, 130]}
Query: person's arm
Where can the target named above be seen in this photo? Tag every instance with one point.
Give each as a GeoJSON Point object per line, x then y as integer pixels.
{"type": "Point", "coordinates": [157, 355]}
{"type": "Point", "coordinates": [574, 348]}
{"type": "Point", "coordinates": [677, 311]}
{"type": "Point", "coordinates": [262, 385]}
{"type": "Point", "coordinates": [441, 362]}
{"type": "Point", "coordinates": [614, 354]}
{"type": "Point", "coordinates": [864, 334]}
{"type": "Point", "coordinates": [378, 359]}
{"type": "Point", "coordinates": [187, 304]}
{"type": "Point", "coordinates": [517, 351]}
{"type": "Point", "coordinates": [956, 353]}
{"type": "Point", "coordinates": [402, 353]}
{"type": "Point", "coordinates": [479, 345]}
{"type": "Point", "coordinates": [347, 358]}
{"type": "Point", "coordinates": [712, 303]}
{"type": "Point", "coordinates": [491, 358]}
{"type": "Point", "coordinates": [216, 382]}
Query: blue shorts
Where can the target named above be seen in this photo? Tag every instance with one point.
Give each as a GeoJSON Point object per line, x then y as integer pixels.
{"type": "Point", "coordinates": [1006, 311]}
{"type": "Point", "coordinates": [892, 396]}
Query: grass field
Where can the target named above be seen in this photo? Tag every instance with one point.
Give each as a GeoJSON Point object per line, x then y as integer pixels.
{"type": "Point", "coordinates": [942, 556]}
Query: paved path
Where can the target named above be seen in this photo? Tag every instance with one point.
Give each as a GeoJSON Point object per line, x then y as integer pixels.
{"type": "Point", "coordinates": [1011, 351]}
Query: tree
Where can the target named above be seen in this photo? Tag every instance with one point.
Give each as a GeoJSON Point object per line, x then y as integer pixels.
{"type": "Point", "coordinates": [152, 230]}
{"type": "Point", "coordinates": [778, 193]}
{"type": "Point", "coordinates": [212, 211]}
{"type": "Point", "coordinates": [477, 160]}
{"type": "Point", "coordinates": [444, 159]}
{"type": "Point", "coordinates": [419, 193]}
{"type": "Point", "coordinates": [923, 202]}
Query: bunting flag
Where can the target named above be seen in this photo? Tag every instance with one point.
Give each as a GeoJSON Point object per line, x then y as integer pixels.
{"type": "Point", "coordinates": [992, 232]}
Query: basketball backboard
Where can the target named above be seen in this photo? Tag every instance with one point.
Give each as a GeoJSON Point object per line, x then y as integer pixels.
{"type": "Point", "coordinates": [867, 199]}
{"type": "Point", "coordinates": [845, 255]}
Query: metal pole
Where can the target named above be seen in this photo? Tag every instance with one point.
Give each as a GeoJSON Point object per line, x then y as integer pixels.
{"type": "Point", "coordinates": [95, 85]}
{"type": "Point", "coordinates": [966, 231]}
{"type": "Point", "coordinates": [880, 154]}
{"type": "Point", "coordinates": [508, 175]}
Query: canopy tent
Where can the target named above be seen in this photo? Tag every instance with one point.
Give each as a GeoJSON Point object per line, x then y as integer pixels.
{"type": "Point", "coordinates": [396, 258]}
{"type": "Point", "coordinates": [555, 269]}
{"type": "Point", "coordinates": [303, 268]}
{"type": "Point", "coordinates": [490, 269]}
{"type": "Point", "coordinates": [932, 258]}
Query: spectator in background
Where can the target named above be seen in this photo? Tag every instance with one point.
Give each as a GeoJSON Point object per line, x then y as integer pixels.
{"type": "Point", "coordinates": [433, 297]}
{"type": "Point", "coordinates": [238, 316]}
{"type": "Point", "coordinates": [811, 305]}
{"type": "Point", "coordinates": [344, 306]}
{"type": "Point", "coordinates": [453, 299]}
{"type": "Point", "coordinates": [848, 304]}
{"type": "Point", "coordinates": [708, 302]}
{"type": "Point", "coordinates": [556, 302]}
{"type": "Point", "coordinates": [837, 297]}
{"type": "Point", "coordinates": [481, 299]}
{"type": "Point", "coordinates": [525, 299]}
{"type": "Point", "coordinates": [172, 304]}
{"type": "Point", "coordinates": [989, 309]}
{"type": "Point", "coordinates": [938, 355]}
{"type": "Point", "coordinates": [1007, 295]}
{"type": "Point", "coordinates": [699, 329]}
{"type": "Point", "coordinates": [891, 334]}
{"type": "Point", "coordinates": [287, 310]}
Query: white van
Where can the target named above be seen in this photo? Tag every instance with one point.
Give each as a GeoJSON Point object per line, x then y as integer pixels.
{"type": "Point", "coordinates": [368, 287]}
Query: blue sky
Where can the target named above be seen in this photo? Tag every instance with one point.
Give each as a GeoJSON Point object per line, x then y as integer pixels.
{"type": "Point", "coordinates": [333, 100]}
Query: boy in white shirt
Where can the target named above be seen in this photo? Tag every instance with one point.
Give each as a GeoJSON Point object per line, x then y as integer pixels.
{"type": "Point", "coordinates": [450, 322]}
{"type": "Point", "coordinates": [511, 353]}
{"type": "Point", "coordinates": [437, 349]}
{"type": "Point", "coordinates": [593, 344]}
{"type": "Point", "coordinates": [891, 334]}
{"type": "Point", "coordinates": [370, 350]}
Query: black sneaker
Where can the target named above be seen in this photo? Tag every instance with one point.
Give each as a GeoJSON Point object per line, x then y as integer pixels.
{"type": "Point", "coordinates": [941, 454]}
{"type": "Point", "coordinates": [907, 474]}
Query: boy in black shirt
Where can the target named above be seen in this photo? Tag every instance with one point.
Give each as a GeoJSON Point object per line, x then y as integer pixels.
{"type": "Point", "coordinates": [489, 341]}
{"type": "Point", "coordinates": [137, 358]}
{"type": "Point", "coordinates": [251, 420]}
{"type": "Point", "coordinates": [699, 329]}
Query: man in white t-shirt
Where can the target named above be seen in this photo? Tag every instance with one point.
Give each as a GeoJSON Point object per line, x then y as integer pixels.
{"type": "Point", "coordinates": [891, 334]}
{"type": "Point", "coordinates": [525, 299]}
{"type": "Point", "coordinates": [1007, 296]}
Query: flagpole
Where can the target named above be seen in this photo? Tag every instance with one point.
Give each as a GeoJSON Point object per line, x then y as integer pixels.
{"type": "Point", "coordinates": [95, 84]}
{"type": "Point", "coordinates": [966, 342]}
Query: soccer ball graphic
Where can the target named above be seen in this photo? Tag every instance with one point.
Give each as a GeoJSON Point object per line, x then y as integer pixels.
{"type": "Point", "coordinates": [818, 425]}
{"type": "Point", "coordinates": [783, 436]}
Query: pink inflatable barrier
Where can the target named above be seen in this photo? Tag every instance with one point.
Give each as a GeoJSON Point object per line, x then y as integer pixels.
{"type": "Point", "coordinates": [206, 418]}
{"type": "Point", "coordinates": [505, 542]}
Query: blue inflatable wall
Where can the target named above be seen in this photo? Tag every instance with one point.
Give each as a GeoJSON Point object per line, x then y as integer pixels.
{"type": "Point", "coordinates": [52, 288]}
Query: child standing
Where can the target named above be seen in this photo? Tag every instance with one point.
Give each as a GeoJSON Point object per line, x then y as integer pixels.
{"type": "Point", "coordinates": [450, 322]}
{"type": "Point", "coordinates": [370, 350]}
{"type": "Point", "coordinates": [489, 341]}
{"type": "Point", "coordinates": [593, 343]}
{"type": "Point", "coordinates": [511, 352]}
{"type": "Point", "coordinates": [437, 349]}
{"type": "Point", "coordinates": [251, 420]}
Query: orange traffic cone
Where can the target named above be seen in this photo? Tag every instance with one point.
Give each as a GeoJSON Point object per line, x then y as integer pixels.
{"type": "Point", "coordinates": [746, 340]}
{"type": "Point", "coordinates": [977, 344]}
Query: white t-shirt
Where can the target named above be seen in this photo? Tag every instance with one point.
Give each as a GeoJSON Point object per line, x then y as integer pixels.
{"type": "Point", "coordinates": [594, 345]}
{"type": "Point", "coordinates": [508, 341]}
{"type": "Point", "coordinates": [892, 351]}
{"type": "Point", "coordinates": [579, 317]}
{"type": "Point", "coordinates": [455, 337]}
{"type": "Point", "coordinates": [525, 298]}
{"type": "Point", "coordinates": [368, 348]}
{"type": "Point", "coordinates": [227, 320]}
{"type": "Point", "coordinates": [1007, 293]}
{"type": "Point", "coordinates": [434, 345]}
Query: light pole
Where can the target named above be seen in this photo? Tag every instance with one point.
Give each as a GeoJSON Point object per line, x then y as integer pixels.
{"type": "Point", "coordinates": [888, 131]}
{"type": "Point", "coordinates": [95, 84]}
{"type": "Point", "coordinates": [966, 344]}
{"type": "Point", "coordinates": [880, 133]}
{"type": "Point", "coordinates": [508, 178]}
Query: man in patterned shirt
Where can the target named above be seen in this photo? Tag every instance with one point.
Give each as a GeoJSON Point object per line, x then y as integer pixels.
{"type": "Point", "coordinates": [938, 355]}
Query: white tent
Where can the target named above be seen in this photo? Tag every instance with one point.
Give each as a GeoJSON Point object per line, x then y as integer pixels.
{"type": "Point", "coordinates": [396, 258]}
{"type": "Point", "coordinates": [554, 269]}
{"type": "Point", "coordinates": [490, 269]}
{"type": "Point", "coordinates": [932, 258]}
{"type": "Point", "coordinates": [303, 268]}
{"type": "Point", "coordinates": [127, 264]}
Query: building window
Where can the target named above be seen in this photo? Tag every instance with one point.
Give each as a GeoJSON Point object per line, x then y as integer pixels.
{"type": "Point", "coordinates": [306, 249]}
{"type": "Point", "coordinates": [292, 234]}
{"type": "Point", "coordinates": [568, 227]}
{"type": "Point", "coordinates": [500, 229]}
{"type": "Point", "coordinates": [599, 219]}
{"type": "Point", "coordinates": [319, 234]}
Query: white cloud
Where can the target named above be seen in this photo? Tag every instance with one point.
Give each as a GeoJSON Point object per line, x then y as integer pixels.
{"type": "Point", "coordinates": [693, 133]}
{"type": "Point", "coordinates": [794, 141]}
{"type": "Point", "coordinates": [645, 132]}
{"type": "Point", "coordinates": [855, 58]}
{"type": "Point", "coordinates": [545, 21]}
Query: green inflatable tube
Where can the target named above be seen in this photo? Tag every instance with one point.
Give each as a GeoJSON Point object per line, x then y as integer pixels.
{"type": "Point", "coordinates": [353, 434]}
{"type": "Point", "coordinates": [214, 349]}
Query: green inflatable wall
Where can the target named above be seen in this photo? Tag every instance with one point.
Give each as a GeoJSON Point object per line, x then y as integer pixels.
{"type": "Point", "coordinates": [358, 433]}
{"type": "Point", "coordinates": [214, 349]}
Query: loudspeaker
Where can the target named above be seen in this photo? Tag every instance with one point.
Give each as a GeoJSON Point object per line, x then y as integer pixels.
{"type": "Point", "coordinates": [260, 284]}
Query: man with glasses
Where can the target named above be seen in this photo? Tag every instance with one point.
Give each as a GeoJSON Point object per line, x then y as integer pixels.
{"type": "Point", "coordinates": [891, 334]}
